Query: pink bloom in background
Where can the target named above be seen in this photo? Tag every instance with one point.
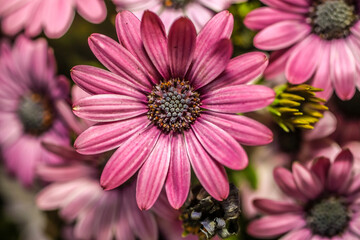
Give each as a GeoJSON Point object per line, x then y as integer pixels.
{"type": "Point", "coordinates": [169, 102]}
{"type": "Point", "coordinates": [199, 11]}
{"type": "Point", "coordinates": [29, 95]}
{"type": "Point", "coordinates": [315, 40]}
{"type": "Point", "coordinates": [54, 16]}
{"type": "Point", "coordinates": [325, 202]}
{"type": "Point", "coordinates": [98, 214]}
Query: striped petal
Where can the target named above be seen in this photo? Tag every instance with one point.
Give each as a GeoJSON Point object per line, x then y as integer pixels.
{"type": "Point", "coordinates": [108, 108]}
{"type": "Point", "coordinates": [98, 81]}
{"type": "Point", "coordinates": [181, 46]}
{"type": "Point", "coordinates": [128, 158]}
{"type": "Point", "coordinates": [155, 42]}
{"type": "Point", "coordinates": [153, 173]}
{"type": "Point", "coordinates": [120, 61]}
{"type": "Point", "coordinates": [105, 137]}
{"type": "Point", "coordinates": [243, 129]}
{"type": "Point", "coordinates": [128, 32]}
{"type": "Point", "coordinates": [220, 145]}
{"type": "Point", "coordinates": [236, 99]}
{"type": "Point", "coordinates": [212, 64]}
{"type": "Point", "coordinates": [211, 174]}
{"type": "Point", "coordinates": [281, 35]}
{"type": "Point", "coordinates": [178, 180]}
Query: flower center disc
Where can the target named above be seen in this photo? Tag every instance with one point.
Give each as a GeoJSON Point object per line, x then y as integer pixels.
{"type": "Point", "coordinates": [175, 3]}
{"type": "Point", "coordinates": [328, 218]}
{"type": "Point", "coordinates": [173, 105]}
{"type": "Point", "coordinates": [332, 19]}
{"type": "Point", "coordinates": [35, 113]}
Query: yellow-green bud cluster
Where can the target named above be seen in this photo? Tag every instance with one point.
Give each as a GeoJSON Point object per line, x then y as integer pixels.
{"type": "Point", "coordinates": [296, 106]}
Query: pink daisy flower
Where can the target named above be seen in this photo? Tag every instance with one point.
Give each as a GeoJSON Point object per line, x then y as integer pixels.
{"type": "Point", "coordinates": [199, 11]}
{"type": "Point", "coordinates": [317, 40]}
{"type": "Point", "coordinates": [170, 102]}
{"type": "Point", "coordinates": [30, 93]}
{"type": "Point", "coordinates": [325, 202]}
{"type": "Point", "coordinates": [54, 16]}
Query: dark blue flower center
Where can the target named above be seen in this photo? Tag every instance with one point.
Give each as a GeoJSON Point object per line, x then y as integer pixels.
{"type": "Point", "coordinates": [35, 113]}
{"type": "Point", "coordinates": [173, 105]}
{"type": "Point", "coordinates": [332, 19]}
{"type": "Point", "coordinates": [176, 3]}
{"type": "Point", "coordinates": [328, 218]}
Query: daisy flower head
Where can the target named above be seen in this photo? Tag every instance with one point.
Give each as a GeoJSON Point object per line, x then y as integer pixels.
{"type": "Point", "coordinates": [30, 93]}
{"type": "Point", "coordinates": [169, 103]}
{"type": "Point", "coordinates": [53, 16]}
{"type": "Point", "coordinates": [199, 11]}
{"type": "Point", "coordinates": [325, 202]}
{"type": "Point", "coordinates": [317, 40]}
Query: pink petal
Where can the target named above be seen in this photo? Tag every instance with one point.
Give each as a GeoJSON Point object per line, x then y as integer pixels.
{"type": "Point", "coordinates": [243, 129]}
{"type": "Point", "coordinates": [120, 61]}
{"type": "Point", "coordinates": [263, 17]}
{"type": "Point", "coordinates": [304, 60]}
{"type": "Point", "coordinates": [105, 214]}
{"type": "Point", "coordinates": [299, 234]}
{"type": "Point", "coordinates": [128, 158]}
{"type": "Point", "coordinates": [340, 170]}
{"type": "Point", "coordinates": [178, 180]}
{"type": "Point", "coordinates": [324, 128]}
{"type": "Point", "coordinates": [98, 81]}
{"type": "Point", "coordinates": [65, 112]}
{"type": "Point", "coordinates": [42, 67]}
{"type": "Point", "coordinates": [81, 198]}
{"type": "Point", "coordinates": [322, 78]}
{"type": "Point", "coordinates": [92, 10]}
{"type": "Point", "coordinates": [220, 145]}
{"type": "Point", "coordinates": [343, 69]}
{"type": "Point", "coordinates": [281, 35]}
{"type": "Point", "coordinates": [275, 207]}
{"type": "Point", "coordinates": [212, 63]}
{"type": "Point", "coordinates": [307, 182]}
{"type": "Point", "coordinates": [14, 22]}
{"type": "Point", "coordinates": [273, 226]}
{"type": "Point", "coordinates": [64, 173]}
{"type": "Point", "coordinates": [128, 32]}
{"type": "Point", "coordinates": [68, 153]}
{"type": "Point", "coordinates": [354, 187]}
{"type": "Point", "coordinates": [169, 16]}
{"type": "Point", "coordinates": [277, 63]}
{"type": "Point", "coordinates": [320, 168]}
{"type": "Point", "coordinates": [354, 225]}
{"type": "Point", "coordinates": [198, 14]}
{"type": "Point", "coordinates": [58, 18]}
{"type": "Point", "coordinates": [155, 42]}
{"type": "Point", "coordinates": [153, 173]}
{"type": "Point", "coordinates": [22, 158]}
{"type": "Point", "coordinates": [355, 29]}
{"type": "Point", "coordinates": [215, 5]}
{"type": "Point", "coordinates": [181, 46]}
{"type": "Point", "coordinates": [288, 7]}
{"type": "Point", "coordinates": [108, 108]}
{"type": "Point", "coordinates": [142, 223]}
{"type": "Point", "coordinates": [51, 197]}
{"type": "Point", "coordinates": [241, 69]}
{"type": "Point", "coordinates": [236, 99]}
{"type": "Point", "coordinates": [205, 168]}
{"type": "Point", "coordinates": [302, 3]}
{"type": "Point", "coordinates": [104, 137]}
{"type": "Point", "coordinates": [286, 183]}
{"type": "Point", "coordinates": [217, 28]}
